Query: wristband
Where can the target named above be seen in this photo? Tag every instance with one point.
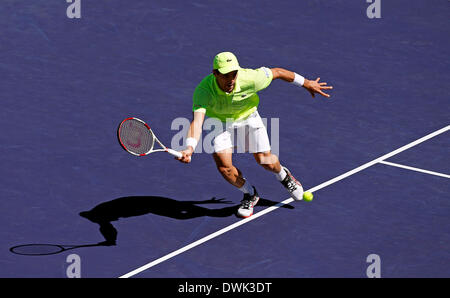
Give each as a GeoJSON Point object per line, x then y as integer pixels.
{"type": "Point", "coordinates": [191, 142]}
{"type": "Point", "coordinates": [298, 80]}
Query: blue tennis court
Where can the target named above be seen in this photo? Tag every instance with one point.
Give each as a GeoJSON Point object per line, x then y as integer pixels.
{"type": "Point", "coordinates": [375, 155]}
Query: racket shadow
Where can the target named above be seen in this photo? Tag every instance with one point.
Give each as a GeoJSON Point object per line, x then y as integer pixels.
{"type": "Point", "coordinates": [38, 249]}
{"type": "Point", "coordinates": [124, 207]}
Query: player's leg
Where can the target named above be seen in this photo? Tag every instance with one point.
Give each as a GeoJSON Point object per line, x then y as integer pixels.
{"type": "Point", "coordinates": [260, 146]}
{"type": "Point", "coordinates": [268, 161]}
{"type": "Point", "coordinates": [229, 172]}
{"type": "Point", "coordinates": [224, 163]}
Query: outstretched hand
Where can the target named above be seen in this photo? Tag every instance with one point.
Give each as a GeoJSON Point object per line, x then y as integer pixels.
{"type": "Point", "coordinates": [315, 87]}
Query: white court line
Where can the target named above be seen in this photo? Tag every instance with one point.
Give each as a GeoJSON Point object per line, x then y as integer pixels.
{"type": "Point", "coordinates": [287, 201]}
{"type": "Point", "coordinates": [414, 169]}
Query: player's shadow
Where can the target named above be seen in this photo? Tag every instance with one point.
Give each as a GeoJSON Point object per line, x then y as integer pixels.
{"type": "Point", "coordinates": [107, 212]}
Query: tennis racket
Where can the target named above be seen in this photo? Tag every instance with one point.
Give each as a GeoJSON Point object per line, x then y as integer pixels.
{"type": "Point", "coordinates": [136, 137]}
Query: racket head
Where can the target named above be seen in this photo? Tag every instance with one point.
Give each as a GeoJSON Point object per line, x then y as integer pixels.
{"type": "Point", "coordinates": [135, 136]}
{"type": "Point", "coordinates": [37, 249]}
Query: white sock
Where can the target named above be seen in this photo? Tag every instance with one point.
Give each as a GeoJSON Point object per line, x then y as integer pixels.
{"type": "Point", "coordinates": [281, 175]}
{"type": "Point", "coordinates": [247, 188]}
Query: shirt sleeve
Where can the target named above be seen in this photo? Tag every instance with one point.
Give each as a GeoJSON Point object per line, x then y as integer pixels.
{"type": "Point", "coordinates": [262, 77]}
{"type": "Point", "coordinates": [200, 100]}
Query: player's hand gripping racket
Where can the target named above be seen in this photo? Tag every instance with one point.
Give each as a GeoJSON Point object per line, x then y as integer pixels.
{"type": "Point", "coordinates": [137, 138]}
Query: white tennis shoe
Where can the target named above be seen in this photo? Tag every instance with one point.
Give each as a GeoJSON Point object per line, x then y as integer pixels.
{"type": "Point", "coordinates": [294, 187]}
{"type": "Point", "coordinates": [247, 204]}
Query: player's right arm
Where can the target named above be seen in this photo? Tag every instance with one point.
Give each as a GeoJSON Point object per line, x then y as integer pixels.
{"type": "Point", "coordinates": [195, 131]}
{"type": "Point", "coordinates": [200, 102]}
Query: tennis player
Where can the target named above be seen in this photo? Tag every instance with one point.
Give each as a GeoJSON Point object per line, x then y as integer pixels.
{"type": "Point", "coordinates": [229, 94]}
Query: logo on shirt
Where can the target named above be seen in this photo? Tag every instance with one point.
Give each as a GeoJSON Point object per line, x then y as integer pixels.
{"type": "Point", "coordinates": [243, 95]}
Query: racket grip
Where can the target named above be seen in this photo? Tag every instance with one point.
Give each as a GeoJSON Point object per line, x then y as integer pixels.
{"type": "Point", "coordinates": [174, 153]}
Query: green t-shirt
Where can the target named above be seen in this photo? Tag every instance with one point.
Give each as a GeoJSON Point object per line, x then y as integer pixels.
{"type": "Point", "coordinates": [238, 104]}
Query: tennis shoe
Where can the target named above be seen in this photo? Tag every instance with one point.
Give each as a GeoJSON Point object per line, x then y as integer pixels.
{"type": "Point", "coordinates": [294, 187]}
{"type": "Point", "coordinates": [247, 204]}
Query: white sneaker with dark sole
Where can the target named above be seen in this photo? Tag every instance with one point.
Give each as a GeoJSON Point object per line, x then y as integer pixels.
{"type": "Point", "coordinates": [247, 204]}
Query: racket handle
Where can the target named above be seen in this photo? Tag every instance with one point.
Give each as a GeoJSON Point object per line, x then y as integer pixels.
{"type": "Point", "coordinates": [174, 153]}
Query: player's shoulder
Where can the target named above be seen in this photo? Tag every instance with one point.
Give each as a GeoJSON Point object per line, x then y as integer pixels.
{"type": "Point", "coordinates": [208, 78]}
{"type": "Point", "coordinates": [205, 88]}
{"type": "Point", "coordinates": [206, 82]}
{"type": "Point", "coordinates": [250, 77]}
{"type": "Point", "coordinates": [253, 72]}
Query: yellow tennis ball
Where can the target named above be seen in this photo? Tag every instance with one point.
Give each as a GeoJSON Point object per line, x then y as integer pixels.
{"type": "Point", "coordinates": [307, 196]}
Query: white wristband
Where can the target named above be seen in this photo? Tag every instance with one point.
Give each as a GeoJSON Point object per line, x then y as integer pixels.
{"type": "Point", "coordinates": [298, 80]}
{"type": "Point", "coordinates": [191, 142]}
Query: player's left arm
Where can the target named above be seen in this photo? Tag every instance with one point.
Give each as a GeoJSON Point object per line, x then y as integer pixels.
{"type": "Point", "coordinates": [312, 86]}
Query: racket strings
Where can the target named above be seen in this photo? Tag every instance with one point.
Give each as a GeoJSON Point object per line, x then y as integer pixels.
{"type": "Point", "coordinates": [136, 137]}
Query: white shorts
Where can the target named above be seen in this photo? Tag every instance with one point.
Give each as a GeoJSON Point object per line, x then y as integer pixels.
{"type": "Point", "coordinates": [250, 135]}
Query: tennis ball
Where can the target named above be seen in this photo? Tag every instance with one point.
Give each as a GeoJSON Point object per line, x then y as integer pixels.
{"type": "Point", "coordinates": [307, 196]}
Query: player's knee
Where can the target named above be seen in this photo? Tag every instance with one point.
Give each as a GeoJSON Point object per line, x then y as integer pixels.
{"type": "Point", "coordinates": [266, 160]}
